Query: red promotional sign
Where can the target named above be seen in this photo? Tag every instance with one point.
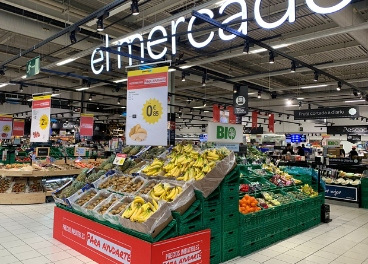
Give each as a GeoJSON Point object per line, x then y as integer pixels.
{"type": "Point", "coordinates": [18, 127]}
{"type": "Point", "coordinates": [147, 81]}
{"type": "Point", "coordinates": [216, 113]}
{"type": "Point", "coordinates": [232, 117]}
{"type": "Point", "coordinates": [271, 123]}
{"type": "Point", "coordinates": [43, 103]}
{"type": "Point", "coordinates": [224, 115]}
{"type": "Point", "coordinates": [254, 119]}
{"type": "Point", "coordinates": [86, 125]}
{"type": "Point", "coordinates": [109, 246]}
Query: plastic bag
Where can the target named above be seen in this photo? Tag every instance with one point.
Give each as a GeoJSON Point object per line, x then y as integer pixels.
{"type": "Point", "coordinates": [154, 224]}
{"type": "Point", "coordinates": [113, 214]}
{"type": "Point", "coordinates": [102, 208]}
{"type": "Point", "coordinates": [88, 207]}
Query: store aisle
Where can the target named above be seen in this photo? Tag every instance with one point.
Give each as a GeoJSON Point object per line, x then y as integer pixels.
{"type": "Point", "coordinates": [344, 240]}
{"type": "Point", "coordinates": [26, 237]}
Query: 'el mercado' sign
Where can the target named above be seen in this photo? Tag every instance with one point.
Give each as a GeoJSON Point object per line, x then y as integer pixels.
{"type": "Point", "coordinates": [289, 15]}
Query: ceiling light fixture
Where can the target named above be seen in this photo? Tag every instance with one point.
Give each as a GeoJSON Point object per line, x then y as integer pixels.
{"type": "Point", "coordinates": [72, 37]}
{"type": "Point", "coordinates": [339, 85]}
{"type": "Point", "coordinates": [314, 86]}
{"type": "Point", "coordinates": [204, 80]}
{"type": "Point", "coordinates": [271, 57]}
{"type": "Point", "coordinates": [100, 25]}
{"type": "Point", "coordinates": [204, 103]}
{"type": "Point", "coordinates": [135, 8]}
{"type": "Point", "coordinates": [90, 97]}
{"type": "Point", "coordinates": [82, 89]}
{"type": "Point", "coordinates": [98, 107]}
{"type": "Point", "coordinates": [259, 95]}
{"type": "Point", "coordinates": [316, 76]}
{"type": "Point", "coordinates": [65, 62]}
{"type": "Point", "coordinates": [183, 76]}
{"type": "Point", "coordinates": [246, 47]}
{"type": "Point", "coordinates": [24, 77]}
{"type": "Point", "coordinates": [121, 80]}
{"type": "Point", "coordinates": [289, 102]}
{"type": "Point", "coordinates": [354, 101]}
{"type": "Point", "coordinates": [293, 66]}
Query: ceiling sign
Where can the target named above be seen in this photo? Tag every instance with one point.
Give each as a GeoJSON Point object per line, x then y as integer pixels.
{"type": "Point", "coordinates": [357, 130]}
{"type": "Point", "coordinates": [159, 35]}
{"type": "Point", "coordinates": [327, 113]}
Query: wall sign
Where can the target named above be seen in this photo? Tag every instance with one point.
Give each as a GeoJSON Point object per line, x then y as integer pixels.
{"type": "Point", "coordinates": [147, 107]}
{"type": "Point", "coordinates": [344, 161]}
{"type": "Point", "coordinates": [40, 127]}
{"type": "Point", "coordinates": [354, 138]}
{"type": "Point", "coordinates": [224, 133]}
{"type": "Point", "coordinates": [240, 100]}
{"type": "Point", "coordinates": [233, 147]}
{"type": "Point", "coordinates": [6, 126]}
{"type": "Point", "coordinates": [86, 125]}
{"type": "Point", "coordinates": [333, 143]}
{"type": "Point", "coordinates": [360, 130]}
{"type": "Point", "coordinates": [341, 192]}
{"type": "Point", "coordinates": [243, 28]}
{"type": "Point", "coordinates": [327, 113]}
{"type": "Point", "coordinates": [42, 152]}
{"type": "Point", "coordinates": [18, 127]}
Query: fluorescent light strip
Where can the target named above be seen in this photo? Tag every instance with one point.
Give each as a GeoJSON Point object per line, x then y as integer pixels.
{"type": "Point", "coordinates": [24, 77]}
{"type": "Point", "coordinates": [82, 89]}
{"type": "Point", "coordinates": [299, 98]}
{"type": "Point", "coordinates": [65, 62]}
{"type": "Point", "coordinates": [53, 95]}
{"type": "Point", "coordinates": [314, 86]}
{"type": "Point", "coordinates": [354, 101]}
{"type": "Point", "coordinates": [119, 81]}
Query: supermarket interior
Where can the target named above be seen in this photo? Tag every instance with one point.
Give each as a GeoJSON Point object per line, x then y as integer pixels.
{"type": "Point", "coordinates": [177, 132]}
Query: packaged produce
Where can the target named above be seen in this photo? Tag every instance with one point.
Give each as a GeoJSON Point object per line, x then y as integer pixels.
{"type": "Point", "coordinates": [4, 184]}
{"type": "Point", "coordinates": [77, 201]}
{"type": "Point", "coordinates": [96, 200]}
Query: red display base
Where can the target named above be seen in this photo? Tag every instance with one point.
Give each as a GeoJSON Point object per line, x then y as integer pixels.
{"type": "Point", "coordinates": [109, 246]}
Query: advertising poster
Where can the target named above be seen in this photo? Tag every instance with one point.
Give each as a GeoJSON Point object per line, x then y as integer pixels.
{"type": "Point", "coordinates": [254, 119]}
{"type": "Point", "coordinates": [6, 126]}
{"type": "Point", "coordinates": [40, 126]}
{"type": "Point", "coordinates": [223, 115]}
{"type": "Point", "coordinates": [18, 127]}
{"type": "Point", "coordinates": [224, 133]}
{"type": "Point", "coordinates": [86, 125]}
{"type": "Point", "coordinates": [271, 123]}
{"type": "Point", "coordinates": [147, 107]}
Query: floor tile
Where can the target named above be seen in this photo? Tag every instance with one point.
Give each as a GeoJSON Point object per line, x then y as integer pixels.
{"type": "Point", "coordinates": [297, 253]}
{"type": "Point", "coordinates": [42, 244]}
{"type": "Point", "coordinates": [237, 261]}
{"type": "Point", "coordinates": [288, 258]}
{"type": "Point", "coordinates": [51, 250]}
{"type": "Point", "coordinates": [38, 260]}
{"type": "Point", "coordinates": [8, 259]}
{"type": "Point", "coordinates": [259, 257]}
{"type": "Point", "coordinates": [69, 261]}
{"type": "Point", "coordinates": [4, 252]}
{"type": "Point", "coordinates": [13, 244]}
{"type": "Point", "coordinates": [28, 255]}
{"type": "Point", "coordinates": [20, 249]}
{"type": "Point", "coordinates": [84, 258]}
{"type": "Point", "coordinates": [268, 252]}
{"type": "Point", "coordinates": [73, 252]}
{"type": "Point", "coordinates": [327, 255]}
{"type": "Point", "coordinates": [58, 256]}
{"type": "Point", "coordinates": [274, 261]}
{"type": "Point", "coordinates": [318, 259]}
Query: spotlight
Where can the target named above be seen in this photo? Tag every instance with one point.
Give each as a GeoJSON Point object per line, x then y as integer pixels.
{"type": "Point", "coordinates": [72, 37]}
{"type": "Point", "coordinates": [293, 66]}
{"type": "Point", "coordinates": [204, 103]}
{"type": "Point", "coordinates": [21, 88]}
{"type": "Point", "coordinates": [235, 90]}
{"type": "Point", "coordinates": [259, 95]}
{"type": "Point", "coordinates": [280, 115]}
{"type": "Point", "coordinates": [271, 58]}
{"type": "Point", "coordinates": [180, 109]}
{"type": "Point", "coordinates": [248, 118]}
{"type": "Point", "coordinates": [288, 116]}
{"type": "Point", "coordinates": [97, 118]}
{"type": "Point", "coordinates": [204, 80]}
{"type": "Point", "coordinates": [191, 111]}
{"type": "Point", "coordinates": [2, 72]}
{"type": "Point", "coordinates": [269, 114]}
{"type": "Point", "coordinates": [98, 107]}
{"type": "Point", "coordinates": [100, 26]}
{"type": "Point", "coordinates": [339, 85]}
{"type": "Point", "coordinates": [118, 101]}
{"type": "Point", "coordinates": [90, 98]}
{"type": "Point", "coordinates": [361, 119]}
{"type": "Point", "coordinates": [69, 103]}
{"type": "Point", "coordinates": [289, 102]}
{"type": "Point", "coordinates": [183, 76]}
{"type": "Point", "coordinates": [246, 47]}
{"type": "Point", "coordinates": [355, 92]}
{"type": "Point", "coordinates": [180, 115]}
{"type": "Point", "coordinates": [135, 8]}
{"type": "Point", "coordinates": [200, 111]}
{"type": "Point", "coordinates": [201, 118]}
{"type": "Point", "coordinates": [315, 76]}
{"type": "Point", "coordinates": [309, 106]}
{"type": "Point", "coordinates": [300, 103]}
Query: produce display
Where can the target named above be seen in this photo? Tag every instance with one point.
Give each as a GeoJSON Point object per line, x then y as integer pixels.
{"type": "Point", "coordinates": [298, 195]}
{"type": "Point", "coordinates": [248, 205]}
{"type": "Point", "coordinates": [308, 190]}
{"type": "Point", "coordinates": [85, 199]}
{"type": "Point", "coordinates": [4, 184]}
{"type": "Point", "coordinates": [118, 183]}
{"type": "Point", "coordinates": [95, 202]}
{"type": "Point", "coordinates": [35, 186]}
{"type": "Point", "coordinates": [153, 152]}
{"type": "Point", "coordinates": [133, 186]}
{"type": "Point", "coordinates": [147, 188]}
{"type": "Point", "coordinates": [343, 178]}
{"type": "Point", "coordinates": [105, 207]}
{"type": "Point", "coordinates": [16, 167]}
{"type": "Point", "coordinates": [139, 211]}
{"type": "Point", "coordinates": [118, 208]}
{"type": "Point", "coordinates": [19, 187]}
{"type": "Point", "coordinates": [164, 191]}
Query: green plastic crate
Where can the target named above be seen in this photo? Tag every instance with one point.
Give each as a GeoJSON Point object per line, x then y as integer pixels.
{"type": "Point", "coordinates": [193, 211]}
{"type": "Point", "coordinates": [230, 189]}
{"type": "Point", "coordinates": [271, 239]}
{"type": "Point", "coordinates": [271, 229]}
{"type": "Point", "coordinates": [215, 258]}
{"type": "Point", "coordinates": [246, 249]}
{"type": "Point", "coordinates": [213, 210]}
{"type": "Point", "coordinates": [230, 221]}
{"type": "Point", "coordinates": [192, 226]}
{"type": "Point", "coordinates": [288, 233]}
{"type": "Point", "coordinates": [230, 239]}
{"type": "Point", "coordinates": [251, 220]}
{"type": "Point", "coordinates": [248, 236]}
{"type": "Point", "coordinates": [215, 243]}
{"type": "Point", "coordinates": [230, 253]}
{"type": "Point", "coordinates": [288, 223]}
{"type": "Point", "coordinates": [213, 223]}
{"type": "Point", "coordinates": [232, 177]}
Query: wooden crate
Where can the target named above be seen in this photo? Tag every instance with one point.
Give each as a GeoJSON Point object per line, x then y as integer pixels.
{"type": "Point", "coordinates": [22, 198]}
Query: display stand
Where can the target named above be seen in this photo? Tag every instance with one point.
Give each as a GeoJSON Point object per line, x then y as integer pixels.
{"type": "Point", "coordinates": [109, 246]}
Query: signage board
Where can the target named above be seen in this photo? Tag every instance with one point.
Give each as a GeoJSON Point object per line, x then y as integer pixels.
{"type": "Point", "coordinates": [106, 245]}
{"type": "Point", "coordinates": [344, 161]}
{"type": "Point", "coordinates": [327, 113]}
{"type": "Point", "coordinates": [119, 159]}
{"type": "Point", "coordinates": [240, 100]}
{"type": "Point", "coordinates": [354, 138]}
{"type": "Point", "coordinates": [33, 67]}
{"type": "Point", "coordinates": [341, 192]}
{"type": "Point", "coordinates": [333, 143]}
{"type": "Point", "coordinates": [40, 126]}
{"type": "Point", "coordinates": [224, 133]}
{"type": "Point", "coordinates": [18, 127]}
{"type": "Point", "coordinates": [360, 130]}
{"type": "Point", "coordinates": [80, 151]}
{"type": "Point", "coordinates": [147, 107]}
{"type": "Point", "coordinates": [6, 126]}
{"type": "Point", "coordinates": [249, 130]}
{"type": "Point", "coordinates": [42, 152]}
{"type": "Point", "coordinates": [86, 125]}
{"type": "Point", "coordinates": [233, 147]}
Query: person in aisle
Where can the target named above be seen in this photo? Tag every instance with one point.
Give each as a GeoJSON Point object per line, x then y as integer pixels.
{"type": "Point", "coordinates": [342, 151]}
{"type": "Point", "coordinates": [288, 149]}
{"type": "Point", "coordinates": [301, 151]}
{"type": "Point", "coordinates": [353, 153]}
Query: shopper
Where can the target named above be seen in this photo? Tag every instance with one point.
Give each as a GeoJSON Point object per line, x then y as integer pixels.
{"type": "Point", "coordinates": [301, 151]}
{"type": "Point", "coordinates": [342, 151]}
{"type": "Point", "coordinates": [353, 153]}
{"type": "Point", "coordinates": [288, 149]}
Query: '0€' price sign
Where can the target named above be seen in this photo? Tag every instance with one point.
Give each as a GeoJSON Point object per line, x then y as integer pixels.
{"type": "Point", "coordinates": [152, 111]}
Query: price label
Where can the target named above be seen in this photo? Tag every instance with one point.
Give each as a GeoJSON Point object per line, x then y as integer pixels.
{"type": "Point", "coordinates": [120, 159]}
{"type": "Point", "coordinates": [6, 128]}
{"type": "Point", "coordinates": [152, 111]}
{"type": "Point", "coordinates": [44, 121]}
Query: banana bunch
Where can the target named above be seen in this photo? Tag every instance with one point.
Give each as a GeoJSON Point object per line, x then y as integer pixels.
{"type": "Point", "coordinates": [165, 192]}
{"type": "Point", "coordinates": [178, 148]}
{"type": "Point", "coordinates": [200, 162]}
{"type": "Point", "coordinates": [207, 168]}
{"type": "Point", "coordinates": [188, 148]}
{"type": "Point", "coordinates": [154, 168]}
{"type": "Point", "coordinates": [139, 211]}
{"type": "Point", "coordinates": [211, 155]}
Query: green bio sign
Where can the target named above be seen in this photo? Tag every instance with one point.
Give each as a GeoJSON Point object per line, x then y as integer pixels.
{"type": "Point", "coordinates": [226, 132]}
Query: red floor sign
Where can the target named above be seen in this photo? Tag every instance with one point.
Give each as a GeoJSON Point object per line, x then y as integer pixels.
{"type": "Point", "coordinates": [106, 245]}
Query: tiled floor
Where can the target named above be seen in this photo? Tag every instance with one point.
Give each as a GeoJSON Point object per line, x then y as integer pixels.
{"type": "Point", "coordinates": [26, 237]}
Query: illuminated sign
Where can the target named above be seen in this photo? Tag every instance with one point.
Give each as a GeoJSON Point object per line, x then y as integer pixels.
{"type": "Point", "coordinates": [243, 28]}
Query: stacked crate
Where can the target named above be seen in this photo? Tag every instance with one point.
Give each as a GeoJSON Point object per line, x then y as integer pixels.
{"type": "Point", "coordinates": [364, 193]}
{"type": "Point", "coordinates": [230, 215]}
